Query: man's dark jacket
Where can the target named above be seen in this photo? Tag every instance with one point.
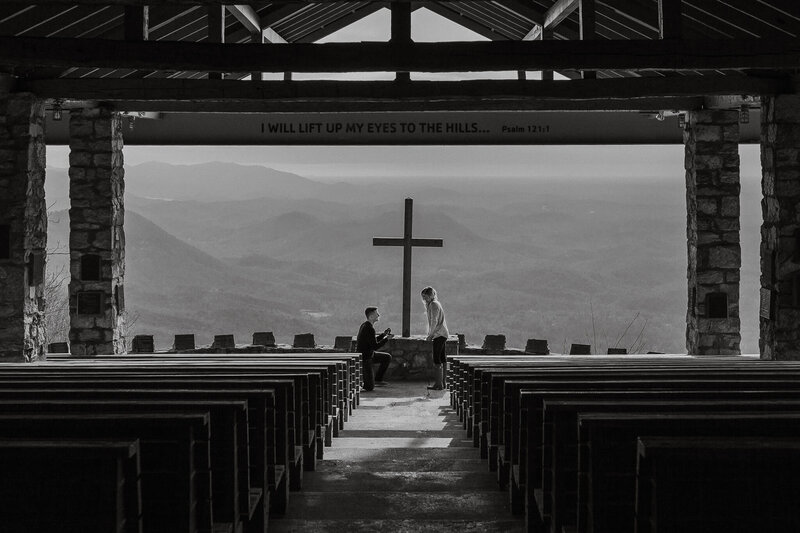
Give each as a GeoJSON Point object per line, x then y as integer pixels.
{"type": "Point", "coordinates": [368, 341]}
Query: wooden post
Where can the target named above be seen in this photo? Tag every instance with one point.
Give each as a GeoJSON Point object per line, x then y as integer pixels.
{"type": "Point", "coordinates": [257, 37]}
{"type": "Point", "coordinates": [137, 23]}
{"type": "Point", "coordinates": [588, 18]}
{"type": "Point", "coordinates": [401, 30]}
{"type": "Point", "coordinates": [216, 31]}
{"type": "Point", "coordinates": [546, 34]}
{"type": "Point", "coordinates": [407, 248]}
{"type": "Point", "coordinates": [669, 19]}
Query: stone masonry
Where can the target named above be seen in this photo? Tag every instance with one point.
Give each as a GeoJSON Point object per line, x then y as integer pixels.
{"type": "Point", "coordinates": [780, 230]}
{"type": "Point", "coordinates": [97, 237]}
{"type": "Point", "coordinates": [23, 228]}
{"type": "Point", "coordinates": [711, 141]}
{"type": "Point", "coordinates": [412, 357]}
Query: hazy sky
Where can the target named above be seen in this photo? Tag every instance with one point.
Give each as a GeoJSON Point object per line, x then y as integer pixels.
{"type": "Point", "coordinates": [354, 163]}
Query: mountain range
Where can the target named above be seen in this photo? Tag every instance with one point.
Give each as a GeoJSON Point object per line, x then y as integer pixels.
{"type": "Point", "coordinates": [224, 248]}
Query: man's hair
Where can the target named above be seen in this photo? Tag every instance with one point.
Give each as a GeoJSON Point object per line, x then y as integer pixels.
{"type": "Point", "coordinates": [369, 310]}
{"type": "Point", "coordinates": [428, 291]}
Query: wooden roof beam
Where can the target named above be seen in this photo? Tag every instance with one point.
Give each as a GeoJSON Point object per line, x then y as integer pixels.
{"type": "Point", "coordinates": [494, 56]}
{"type": "Point", "coordinates": [247, 16]}
{"type": "Point", "coordinates": [110, 89]}
{"type": "Point", "coordinates": [669, 19]}
{"type": "Point", "coordinates": [136, 23]}
{"type": "Point", "coordinates": [463, 20]}
{"type": "Point", "coordinates": [560, 11]}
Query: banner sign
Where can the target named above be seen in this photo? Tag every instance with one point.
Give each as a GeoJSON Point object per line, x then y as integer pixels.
{"type": "Point", "coordinates": [405, 128]}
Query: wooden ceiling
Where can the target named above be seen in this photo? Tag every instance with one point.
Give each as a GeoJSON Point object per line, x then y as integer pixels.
{"type": "Point", "coordinates": [308, 22]}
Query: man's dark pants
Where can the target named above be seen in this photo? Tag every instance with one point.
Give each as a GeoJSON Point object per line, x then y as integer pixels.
{"type": "Point", "coordinates": [378, 357]}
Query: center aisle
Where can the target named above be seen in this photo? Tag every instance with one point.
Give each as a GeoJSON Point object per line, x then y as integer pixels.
{"type": "Point", "coordinates": [401, 464]}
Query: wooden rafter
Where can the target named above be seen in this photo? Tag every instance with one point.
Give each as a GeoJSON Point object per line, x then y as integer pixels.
{"type": "Point", "coordinates": [211, 90]}
{"type": "Point", "coordinates": [247, 16]}
{"type": "Point", "coordinates": [417, 57]}
{"type": "Point", "coordinates": [560, 11]}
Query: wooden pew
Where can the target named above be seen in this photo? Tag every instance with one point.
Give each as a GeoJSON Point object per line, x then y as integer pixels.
{"type": "Point", "coordinates": [553, 472]}
{"type": "Point", "coordinates": [230, 371]}
{"type": "Point", "coordinates": [710, 484]}
{"type": "Point", "coordinates": [490, 416]}
{"type": "Point", "coordinates": [550, 369]}
{"type": "Point", "coordinates": [577, 386]}
{"type": "Point", "coordinates": [33, 499]}
{"type": "Point", "coordinates": [348, 382]}
{"type": "Point", "coordinates": [321, 390]}
{"type": "Point", "coordinates": [174, 458]}
{"type": "Point", "coordinates": [230, 465]}
{"type": "Point", "coordinates": [270, 415]}
{"type": "Point", "coordinates": [305, 411]}
{"type": "Point", "coordinates": [313, 399]}
{"type": "Point", "coordinates": [607, 461]}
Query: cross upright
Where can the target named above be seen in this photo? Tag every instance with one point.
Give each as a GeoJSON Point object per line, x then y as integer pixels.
{"type": "Point", "coordinates": [407, 242]}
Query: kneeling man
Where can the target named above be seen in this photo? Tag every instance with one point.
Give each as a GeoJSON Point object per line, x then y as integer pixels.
{"type": "Point", "coordinates": [368, 343]}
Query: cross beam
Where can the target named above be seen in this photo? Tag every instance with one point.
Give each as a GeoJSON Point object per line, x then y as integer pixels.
{"type": "Point", "coordinates": [415, 57]}
{"type": "Point", "coordinates": [408, 243]}
{"type": "Point", "coordinates": [678, 92]}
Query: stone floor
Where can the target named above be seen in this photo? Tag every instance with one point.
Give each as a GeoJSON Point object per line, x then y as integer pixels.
{"type": "Point", "coordinates": [402, 464]}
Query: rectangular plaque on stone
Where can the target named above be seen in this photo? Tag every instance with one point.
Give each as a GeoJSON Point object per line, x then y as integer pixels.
{"type": "Point", "coordinates": [717, 305]}
{"type": "Point", "coordinates": [5, 241]}
{"type": "Point", "coordinates": [765, 304]}
{"type": "Point", "coordinates": [90, 303]}
{"type": "Point", "coordinates": [617, 351]}
{"type": "Point", "coordinates": [90, 267]}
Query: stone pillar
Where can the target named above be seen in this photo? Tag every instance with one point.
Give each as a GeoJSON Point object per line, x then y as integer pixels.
{"type": "Point", "coordinates": [711, 140]}
{"type": "Point", "coordinates": [780, 231]}
{"type": "Point", "coordinates": [97, 238]}
{"type": "Point", "coordinates": [23, 228]}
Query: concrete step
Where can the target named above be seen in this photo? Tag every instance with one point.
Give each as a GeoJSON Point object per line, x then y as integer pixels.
{"type": "Point", "coordinates": [394, 526]}
{"type": "Point", "coordinates": [399, 454]}
{"type": "Point", "coordinates": [416, 442]}
{"type": "Point", "coordinates": [395, 432]}
{"type": "Point", "coordinates": [420, 464]}
{"type": "Point", "coordinates": [482, 505]}
{"type": "Point", "coordinates": [347, 480]}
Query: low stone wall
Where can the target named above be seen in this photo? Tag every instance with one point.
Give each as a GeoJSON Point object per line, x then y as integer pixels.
{"type": "Point", "coordinates": [412, 356]}
{"type": "Point", "coordinates": [250, 348]}
{"type": "Point", "coordinates": [479, 350]}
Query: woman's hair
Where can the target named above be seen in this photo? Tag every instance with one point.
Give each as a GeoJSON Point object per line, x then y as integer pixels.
{"type": "Point", "coordinates": [429, 291]}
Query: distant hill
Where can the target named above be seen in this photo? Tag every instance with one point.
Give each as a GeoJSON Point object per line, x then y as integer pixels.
{"type": "Point", "coordinates": [240, 249]}
{"type": "Point", "coordinates": [214, 181]}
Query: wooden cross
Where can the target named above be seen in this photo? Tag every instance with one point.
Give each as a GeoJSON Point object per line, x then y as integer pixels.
{"type": "Point", "coordinates": [407, 242]}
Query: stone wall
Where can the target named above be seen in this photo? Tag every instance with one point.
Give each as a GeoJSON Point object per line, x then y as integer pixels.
{"type": "Point", "coordinates": [412, 357]}
{"type": "Point", "coordinates": [23, 223]}
{"type": "Point", "coordinates": [711, 140]}
{"type": "Point", "coordinates": [97, 237]}
{"type": "Point", "coordinates": [780, 231]}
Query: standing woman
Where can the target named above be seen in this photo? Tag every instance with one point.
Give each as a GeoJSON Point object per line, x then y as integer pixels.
{"type": "Point", "coordinates": [437, 332]}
